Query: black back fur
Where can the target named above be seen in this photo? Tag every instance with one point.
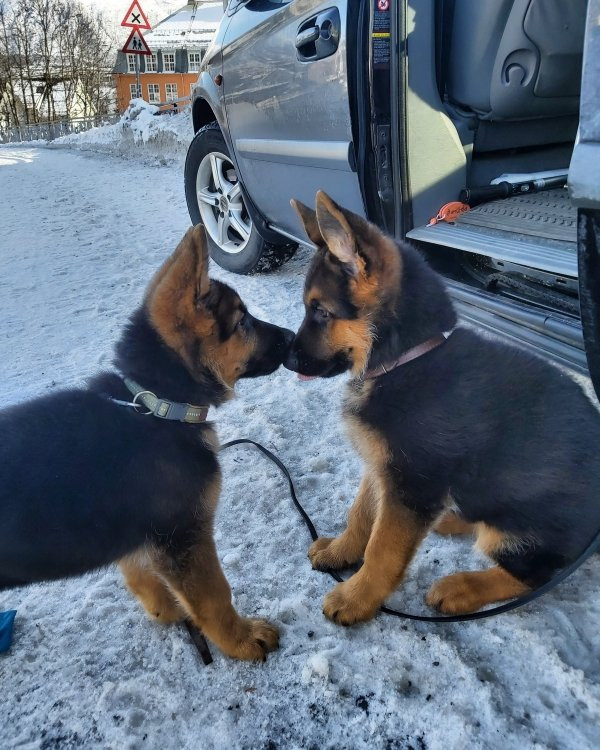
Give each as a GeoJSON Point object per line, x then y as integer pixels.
{"type": "Point", "coordinates": [84, 481]}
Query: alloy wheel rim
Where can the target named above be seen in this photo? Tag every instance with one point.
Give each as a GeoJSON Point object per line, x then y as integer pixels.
{"type": "Point", "coordinates": [221, 203]}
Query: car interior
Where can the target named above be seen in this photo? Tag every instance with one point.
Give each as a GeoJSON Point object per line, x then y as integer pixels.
{"type": "Point", "coordinates": [497, 96]}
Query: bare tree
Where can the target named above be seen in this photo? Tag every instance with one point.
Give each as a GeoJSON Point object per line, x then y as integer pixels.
{"type": "Point", "coordinates": [53, 53]}
{"type": "Point", "coordinates": [8, 102]}
{"type": "Point", "coordinates": [89, 50]}
{"type": "Point", "coordinates": [24, 44]}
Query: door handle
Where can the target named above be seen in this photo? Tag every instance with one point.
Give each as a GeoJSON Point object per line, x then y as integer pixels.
{"type": "Point", "coordinates": [318, 36]}
{"type": "Point", "coordinates": [307, 37]}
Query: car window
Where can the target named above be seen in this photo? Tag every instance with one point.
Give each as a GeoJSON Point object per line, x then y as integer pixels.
{"type": "Point", "coordinates": [255, 5]}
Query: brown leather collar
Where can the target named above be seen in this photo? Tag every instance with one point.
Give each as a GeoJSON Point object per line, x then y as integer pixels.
{"type": "Point", "coordinates": [408, 356]}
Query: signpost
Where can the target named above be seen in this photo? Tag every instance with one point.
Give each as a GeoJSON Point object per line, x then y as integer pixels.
{"type": "Point", "coordinates": [136, 20]}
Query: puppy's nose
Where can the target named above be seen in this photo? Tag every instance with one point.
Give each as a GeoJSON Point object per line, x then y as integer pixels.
{"type": "Point", "coordinates": [288, 337]}
{"type": "Point", "coordinates": [291, 361]}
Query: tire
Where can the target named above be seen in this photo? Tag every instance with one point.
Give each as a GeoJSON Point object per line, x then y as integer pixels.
{"type": "Point", "coordinates": [214, 198]}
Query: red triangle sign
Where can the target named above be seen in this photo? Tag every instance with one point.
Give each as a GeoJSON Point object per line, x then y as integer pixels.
{"type": "Point", "coordinates": [136, 44]}
{"type": "Point", "coordinates": [135, 17]}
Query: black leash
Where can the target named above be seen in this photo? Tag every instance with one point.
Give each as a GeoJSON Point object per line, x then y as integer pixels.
{"type": "Point", "coordinates": [592, 547]}
{"type": "Point", "coordinates": [199, 642]}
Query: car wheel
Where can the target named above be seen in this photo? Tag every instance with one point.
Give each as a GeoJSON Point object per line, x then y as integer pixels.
{"type": "Point", "coordinates": [214, 198]}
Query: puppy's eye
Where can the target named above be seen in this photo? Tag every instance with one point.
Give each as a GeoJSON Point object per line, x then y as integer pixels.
{"type": "Point", "coordinates": [241, 322]}
{"type": "Point", "coordinates": [320, 312]}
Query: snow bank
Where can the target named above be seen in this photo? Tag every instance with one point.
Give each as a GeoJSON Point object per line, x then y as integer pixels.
{"type": "Point", "coordinates": [141, 132]}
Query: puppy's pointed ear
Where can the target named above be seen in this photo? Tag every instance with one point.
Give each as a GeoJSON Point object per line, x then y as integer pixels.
{"type": "Point", "coordinates": [191, 269]}
{"type": "Point", "coordinates": [174, 297]}
{"type": "Point", "coordinates": [338, 234]}
{"type": "Point", "coordinates": [309, 220]}
{"type": "Point", "coordinates": [195, 241]}
{"type": "Point", "coordinates": [183, 279]}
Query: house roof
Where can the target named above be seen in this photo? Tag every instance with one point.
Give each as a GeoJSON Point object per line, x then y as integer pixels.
{"type": "Point", "coordinates": [187, 27]}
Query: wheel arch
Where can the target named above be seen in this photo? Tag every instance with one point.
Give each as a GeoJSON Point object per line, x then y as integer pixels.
{"type": "Point", "coordinates": [207, 104]}
{"type": "Point", "coordinates": [207, 109]}
{"type": "Point", "coordinates": [202, 113]}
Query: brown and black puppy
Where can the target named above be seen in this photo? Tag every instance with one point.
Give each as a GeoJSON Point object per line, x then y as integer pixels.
{"type": "Point", "coordinates": [464, 423]}
{"type": "Point", "coordinates": [87, 480]}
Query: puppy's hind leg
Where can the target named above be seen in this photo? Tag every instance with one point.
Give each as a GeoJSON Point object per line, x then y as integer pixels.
{"type": "Point", "coordinates": [469, 591]}
{"type": "Point", "coordinates": [144, 581]}
{"type": "Point", "coordinates": [349, 547]}
{"type": "Point", "coordinates": [452, 524]}
{"type": "Point", "coordinates": [200, 586]}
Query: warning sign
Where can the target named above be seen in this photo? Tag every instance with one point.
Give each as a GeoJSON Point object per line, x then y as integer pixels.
{"type": "Point", "coordinates": [135, 17]}
{"type": "Point", "coordinates": [381, 35]}
{"type": "Point", "coordinates": [136, 44]}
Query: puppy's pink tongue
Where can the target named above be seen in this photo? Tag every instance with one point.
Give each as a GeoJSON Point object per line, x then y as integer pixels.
{"type": "Point", "coordinates": [306, 377]}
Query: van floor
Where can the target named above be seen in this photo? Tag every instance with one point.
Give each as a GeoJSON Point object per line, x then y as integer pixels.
{"type": "Point", "coordinates": [537, 230]}
{"type": "Point", "coordinates": [549, 214]}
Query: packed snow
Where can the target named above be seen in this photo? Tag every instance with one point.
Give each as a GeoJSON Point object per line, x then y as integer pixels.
{"type": "Point", "coordinates": [141, 131]}
{"type": "Point", "coordinates": [82, 233]}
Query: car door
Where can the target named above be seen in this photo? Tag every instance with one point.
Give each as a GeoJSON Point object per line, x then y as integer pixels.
{"type": "Point", "coordinates": [584, 186]}
{"type": "Point", "coordinates": [285, 88]}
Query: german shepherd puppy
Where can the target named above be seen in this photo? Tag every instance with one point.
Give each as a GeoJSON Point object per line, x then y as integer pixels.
{"type": "Point", "coordinates": [87, 480]}
{"type": "Point", "coordinates": [509, 440]}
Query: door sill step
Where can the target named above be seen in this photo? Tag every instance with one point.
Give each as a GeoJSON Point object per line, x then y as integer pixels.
{"type": "Point", "coordinates": [545, 255]}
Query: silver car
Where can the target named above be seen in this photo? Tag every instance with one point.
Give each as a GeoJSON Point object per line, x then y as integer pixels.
{"type": "Point", "coordinates": [398, 109]}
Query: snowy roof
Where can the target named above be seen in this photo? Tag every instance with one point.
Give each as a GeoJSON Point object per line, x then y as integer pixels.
{"type": "Point", "coordinates": [187, 27]}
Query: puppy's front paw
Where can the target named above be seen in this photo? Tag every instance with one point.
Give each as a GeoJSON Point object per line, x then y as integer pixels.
{"type": "Point", "coordinates": [256, 639]}
{"type": "Point", "coordinates": [344, 607]}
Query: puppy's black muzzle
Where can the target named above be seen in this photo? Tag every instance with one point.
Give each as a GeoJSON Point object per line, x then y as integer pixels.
{"type": "Point", "coordinates": [271, 352]}
{"type": "Point", "coordinates": [300, 361]}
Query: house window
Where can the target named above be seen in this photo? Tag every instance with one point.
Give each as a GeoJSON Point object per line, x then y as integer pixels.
{"type": "Point", "coordinates": [168, 62]}
{"type": "Point", "coordinates": [151, 65]}
{"type": "Point", "coordinates": [135, 91]}
{"type": "Point", "coordinates": [153, 93]}
{"type": "Point", "coordinates": [171, 91]}
{"type": "Point", "coordinates": [131, 63]}
{"type": "Point", "coordinates": [194, 60]}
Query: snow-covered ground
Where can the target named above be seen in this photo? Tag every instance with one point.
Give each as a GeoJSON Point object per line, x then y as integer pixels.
{"type": "Point", "coordinates": [81, 234]}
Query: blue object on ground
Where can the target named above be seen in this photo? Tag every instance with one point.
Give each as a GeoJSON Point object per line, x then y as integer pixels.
{"type": "Point", "coordinates": [6, 628]}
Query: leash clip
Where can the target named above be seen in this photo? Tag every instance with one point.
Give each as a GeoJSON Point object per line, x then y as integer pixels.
{"type": "Point", "coordinates": [137, 405]}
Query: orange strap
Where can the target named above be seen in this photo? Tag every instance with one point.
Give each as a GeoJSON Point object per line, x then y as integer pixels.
{"type": "Point", "coordinates": [449, 212]}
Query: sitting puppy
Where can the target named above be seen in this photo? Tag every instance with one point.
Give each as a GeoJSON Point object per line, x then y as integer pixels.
{"type": "Point", "coordinates": [511, 441]}
{"type": "Point", "coordinates": [88, 479]}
